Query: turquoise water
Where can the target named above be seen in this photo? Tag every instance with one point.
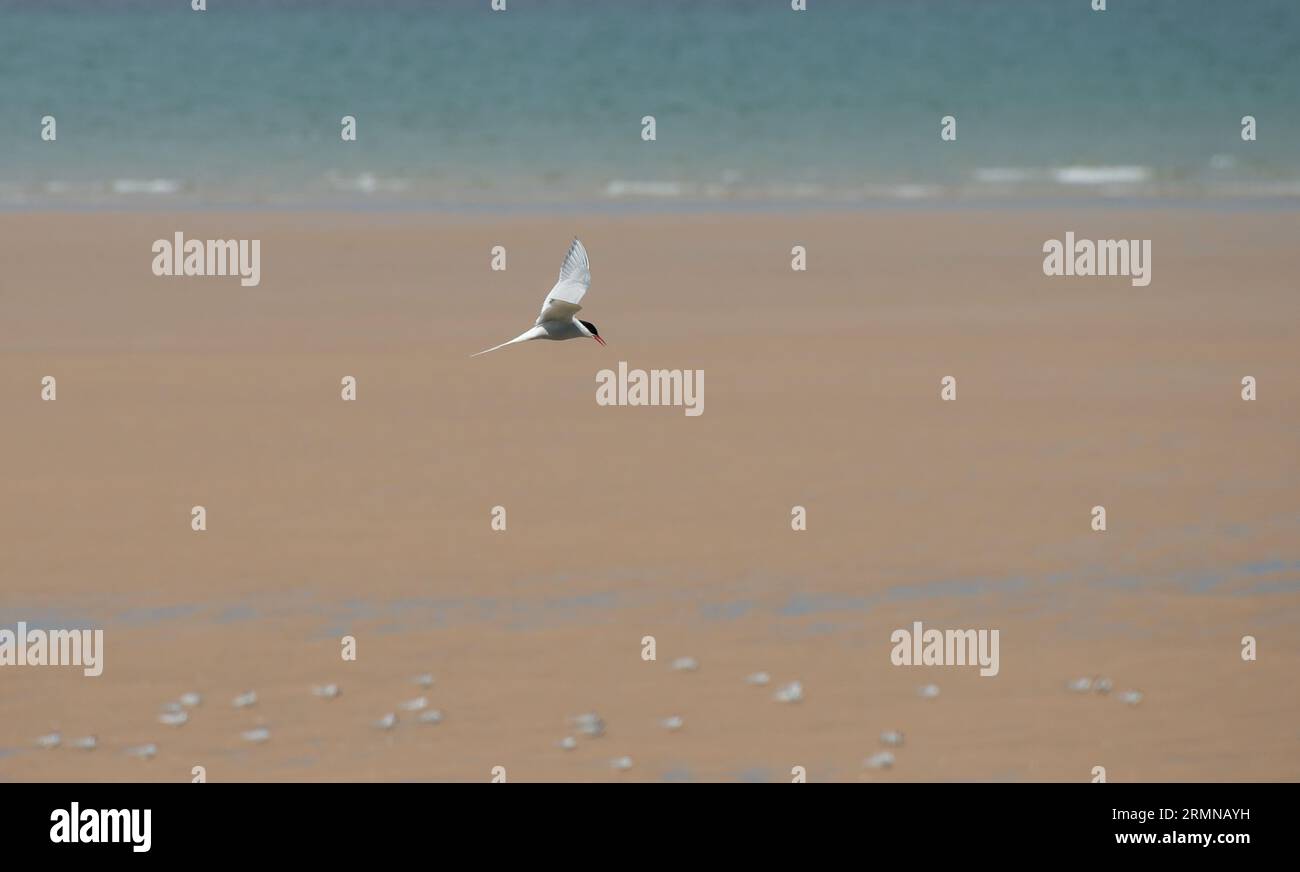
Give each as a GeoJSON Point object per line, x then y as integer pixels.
{"type": "Point", "coordinates": [458, 106]}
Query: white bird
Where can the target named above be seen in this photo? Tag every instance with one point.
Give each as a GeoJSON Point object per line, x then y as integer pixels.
{"type": "Point", "coordinates": [432, 716]}
{"type": "Point", "coordinates": [244, 700]}
{"type": "Point", "coordinates": [325, 691]}
{"type": "Point", "coordinates": [557, 320]}
{"type": "Point", "coordinates": [85, 743]}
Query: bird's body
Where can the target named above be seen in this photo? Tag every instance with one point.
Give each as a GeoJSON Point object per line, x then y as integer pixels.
{"type": "Point", "coordinates": [558, 319]}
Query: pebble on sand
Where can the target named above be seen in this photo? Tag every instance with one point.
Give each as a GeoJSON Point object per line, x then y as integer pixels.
{"type": "Point", "coordinates": [792, 692]}
{"type": "Point", "coordinates": [928, 691]}
{"type": "Point", "coordinates": [244, 700]}
{"type": "Point", "coordinates": [589, 724]}
{"type": "Point", "coordinates": [880, 760]}
{"type": "Point", "coordinates": [686, 664]}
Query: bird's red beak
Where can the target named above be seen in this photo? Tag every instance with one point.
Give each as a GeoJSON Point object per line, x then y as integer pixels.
{"type": "Point", "coordinates": [598, 339]}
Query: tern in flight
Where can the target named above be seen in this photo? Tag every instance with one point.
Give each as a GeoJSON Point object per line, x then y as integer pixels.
{"type": "Point", "coordinates": [558, 320]}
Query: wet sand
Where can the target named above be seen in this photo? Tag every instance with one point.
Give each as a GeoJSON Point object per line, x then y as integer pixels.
{"type": "Point", "coordinates": [372, 518]}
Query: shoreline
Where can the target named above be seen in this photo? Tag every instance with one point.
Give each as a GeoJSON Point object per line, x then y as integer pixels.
{"type": "Point", "coordinates": [1269, 205]}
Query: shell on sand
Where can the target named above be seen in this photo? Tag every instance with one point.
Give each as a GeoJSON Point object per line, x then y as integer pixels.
{"type": "Point", "coordinates": [880, 760]}
{"type": "Point", "coordinates": [792, 692]}
{"type": "Point", "coordinates": [589, 724]}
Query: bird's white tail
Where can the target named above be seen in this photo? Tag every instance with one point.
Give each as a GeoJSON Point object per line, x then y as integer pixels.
{"type": "Point", "coordinates": [534, 333]}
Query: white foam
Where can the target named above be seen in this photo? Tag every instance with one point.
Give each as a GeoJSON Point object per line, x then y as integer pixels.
{"type": "Point", "coordinates": [145, 186]}
{"type": "Point", "coordinates": [367, 183]}
{"type": "Point", "coordinates": [1117, 175]}
{"type": "Point", "coordinates": [626, 188]}
{"type": "Point", "coordinates": [1005, 175]}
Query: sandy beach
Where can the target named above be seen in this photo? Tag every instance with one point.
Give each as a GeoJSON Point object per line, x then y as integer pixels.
{"type": "Point", "coordinates": [372, 518]}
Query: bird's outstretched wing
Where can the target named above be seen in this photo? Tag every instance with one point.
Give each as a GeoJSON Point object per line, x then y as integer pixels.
{"type": "Point", "coordinates": [564, 300]}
